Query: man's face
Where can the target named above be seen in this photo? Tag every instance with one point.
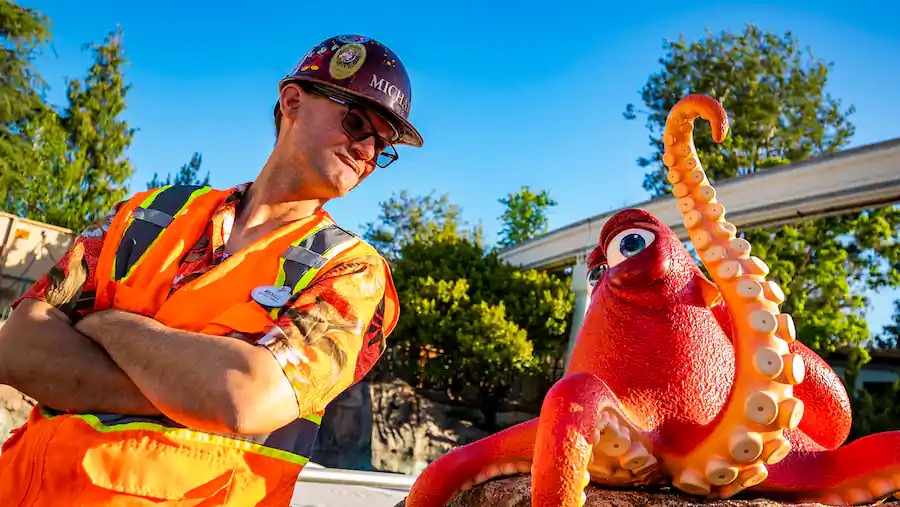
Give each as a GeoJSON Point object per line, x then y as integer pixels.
{"type": "Point", "coordinates": [328, 161]}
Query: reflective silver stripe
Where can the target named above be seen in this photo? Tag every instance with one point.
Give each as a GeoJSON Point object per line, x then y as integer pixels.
{"type": "Point", "coordinates": [153, 216]}
{"type": "Point", "coordinates": [304, 256]}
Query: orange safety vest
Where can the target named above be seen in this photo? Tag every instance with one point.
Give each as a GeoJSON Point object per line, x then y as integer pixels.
{"type": "Point", "coordinates": [113, 459]}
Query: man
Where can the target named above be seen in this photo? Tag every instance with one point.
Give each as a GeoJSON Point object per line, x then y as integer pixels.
{"type": "Point", "coordinates": [183, 352]}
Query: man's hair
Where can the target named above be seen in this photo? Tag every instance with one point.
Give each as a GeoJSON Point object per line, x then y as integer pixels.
{"type": "Point", "coordinates": [278, 116]}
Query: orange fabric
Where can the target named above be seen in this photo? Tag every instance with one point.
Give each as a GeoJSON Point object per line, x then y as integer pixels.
{"type": "Point", "coordinates": [229, 284]}
{"type": "Point", "coordinates": [51, 464]}
{"type": "Point", "coordinates": [65, 461]}
{"type": "Point", "coordinates": [105, 285]}
{"type": "Point", "coordinates": [147, 288]}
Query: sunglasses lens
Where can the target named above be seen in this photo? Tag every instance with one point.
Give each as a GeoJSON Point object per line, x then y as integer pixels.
{"type": "Point", "coordinates": [355, 125]}
{"type": "Point", "coordinates": [358, 127]}
{"type": "Point", "coordinates": [386, 156]}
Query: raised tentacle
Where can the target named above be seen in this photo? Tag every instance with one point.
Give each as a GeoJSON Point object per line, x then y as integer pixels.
{"type": "Point", "coordinates": [761, 405]}
{"type": "Point", "coordinates": [582, 433]}
{"type": "Point", "coordinates": [508, 452]}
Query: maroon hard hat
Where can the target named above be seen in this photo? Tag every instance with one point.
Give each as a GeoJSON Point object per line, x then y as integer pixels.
{"type": "Point", "coordinates": [361, 70]}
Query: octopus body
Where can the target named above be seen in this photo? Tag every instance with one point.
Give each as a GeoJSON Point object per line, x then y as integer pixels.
{"type": "Point", "coordinates": [676, 379]}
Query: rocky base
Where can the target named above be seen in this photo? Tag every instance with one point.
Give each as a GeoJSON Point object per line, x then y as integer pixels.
{"type": "Point", "coordinates": [410, 431]}
{"type": "Point", "coordinates": [516, 492]}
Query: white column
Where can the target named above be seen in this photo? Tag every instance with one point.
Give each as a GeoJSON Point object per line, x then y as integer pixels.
{"type": "Point", "coordinates": [580, 287]}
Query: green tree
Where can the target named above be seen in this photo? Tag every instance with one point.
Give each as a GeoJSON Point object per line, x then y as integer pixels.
{"type": "Point", "coordinates": [773, 91]}
{"type": "Point", "coordinates": [525, 216]}
{"type": "Point", "coordinates": [187, 175]}
{"type": "Point", "coordinates": [405, 219]}
{"type": "Point", "coordinates": [471, 321]}
{"type": "Point", "coordinates": [81, 150]}
{"type": "Point", "coordinates": [22, 31]}
{"type": "Point", "coordinates": [780, 113]}
{"type": "Point", "coordinates": [889, 338]}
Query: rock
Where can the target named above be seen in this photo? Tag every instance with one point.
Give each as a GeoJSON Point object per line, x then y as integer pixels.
{"type": "Point", "coordinates": [14, 409]}
{"type": "Point", "coordinates": [410, 431]}
{"type": "Point", "coordinates": [345, 437]}
{"type": "Point", "coordinates": [507, 419]}
{"type": "Point", "coordinates": [516, 492]}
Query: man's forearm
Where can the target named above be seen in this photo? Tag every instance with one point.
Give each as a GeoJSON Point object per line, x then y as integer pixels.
{"type": "Point", "coordinates": [45, 358]}
{"type": "Point", "coordinates": [209, 383]}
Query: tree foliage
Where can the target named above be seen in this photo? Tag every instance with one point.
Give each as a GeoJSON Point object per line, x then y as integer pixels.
{"type": "Point", "coordinates": [773, 91]}
{"type": "Point", "coordinates": [525, 215]}
{"type": "Point", "coordinates": [81, 168]}
{"type": "Point", "coordinates": [780, 112]}
{"type": "Point", "coordinates": [23, 32]}
{"type": "Point", "coordinates": [826, 268]}
{"type": "Point", "coordinates": [187, 175]}
{"type": "Point", "coordinates": [469, 320]}
{"type": "Point", "coordinates": [406, 219]}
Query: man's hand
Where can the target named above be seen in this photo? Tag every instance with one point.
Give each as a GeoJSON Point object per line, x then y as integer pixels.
{"type": "Point", "coordinates": [210, 383]}
{"type": "Point", "coordinates": [45, 358]}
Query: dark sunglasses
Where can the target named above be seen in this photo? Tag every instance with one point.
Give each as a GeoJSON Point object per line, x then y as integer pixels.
{"type": "Point", "coordinates": [358, 127]}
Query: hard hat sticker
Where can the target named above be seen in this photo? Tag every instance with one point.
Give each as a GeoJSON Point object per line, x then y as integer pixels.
{"type": "Point", "coordinates": [270, 295]}
{"type": "Point", "coordinates": [347, 61]}
{"type": "Point", "coordinates": [353, 39]}
{"type": "Point", "coordinates": [313, 60]}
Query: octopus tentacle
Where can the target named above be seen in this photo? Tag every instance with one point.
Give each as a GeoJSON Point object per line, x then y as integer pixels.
{"type": "Point", "coordinates": [508, 452]}
{"type": "Point", "coordinates": [864, 471]}
{"type": "Point", "coordinates": [749, 434]}
{"type": "Point", "coordinates": [583, 434]}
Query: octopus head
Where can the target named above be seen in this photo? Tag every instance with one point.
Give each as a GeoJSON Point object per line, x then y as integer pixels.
{"type": "Point", "coordinates": [637, 255]}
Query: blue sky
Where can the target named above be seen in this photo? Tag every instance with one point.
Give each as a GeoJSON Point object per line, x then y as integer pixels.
{"type": "Point", "coordinates": [505, 93]}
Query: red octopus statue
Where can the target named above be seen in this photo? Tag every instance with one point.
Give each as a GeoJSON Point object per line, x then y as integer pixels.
{"type": "Point", "coordinates": [679, 380]}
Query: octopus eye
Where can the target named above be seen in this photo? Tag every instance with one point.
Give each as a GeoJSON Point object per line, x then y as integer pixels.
{"type": "Point", "coordinates": [632, 244]}
{"type": "Point", "coordinates": [627, 244]}
{"type": "Point", "coordinates": [596, 274]}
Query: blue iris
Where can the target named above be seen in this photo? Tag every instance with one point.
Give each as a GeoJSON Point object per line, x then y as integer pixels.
{"type": "Point", "coordinates": [632, 244]}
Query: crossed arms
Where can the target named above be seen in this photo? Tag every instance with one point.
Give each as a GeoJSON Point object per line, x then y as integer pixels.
{"type": "Point", "coordinates": [118, 362]}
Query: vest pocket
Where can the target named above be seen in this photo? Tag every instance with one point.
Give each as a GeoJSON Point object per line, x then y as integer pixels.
{"type": "Point", "coordinates": [148, 467]}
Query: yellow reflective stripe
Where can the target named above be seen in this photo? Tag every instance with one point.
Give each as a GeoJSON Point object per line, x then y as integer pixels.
{"type": "Point", "coordinates": [316, 418]}
{"type": "Point", "coordinates": [190, 436]}
{"type": "Point", "coordinates": [146, 202]}
{"type": "Point", "coordinates": [152, 197]}
{"type": "Point", "coordinates": [328, 255]}
{"type": "Point", "coordinates": [181, 211]}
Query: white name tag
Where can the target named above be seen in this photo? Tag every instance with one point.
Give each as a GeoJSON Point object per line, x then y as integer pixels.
{"type": "Point", "coordinates": [270, 295]}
